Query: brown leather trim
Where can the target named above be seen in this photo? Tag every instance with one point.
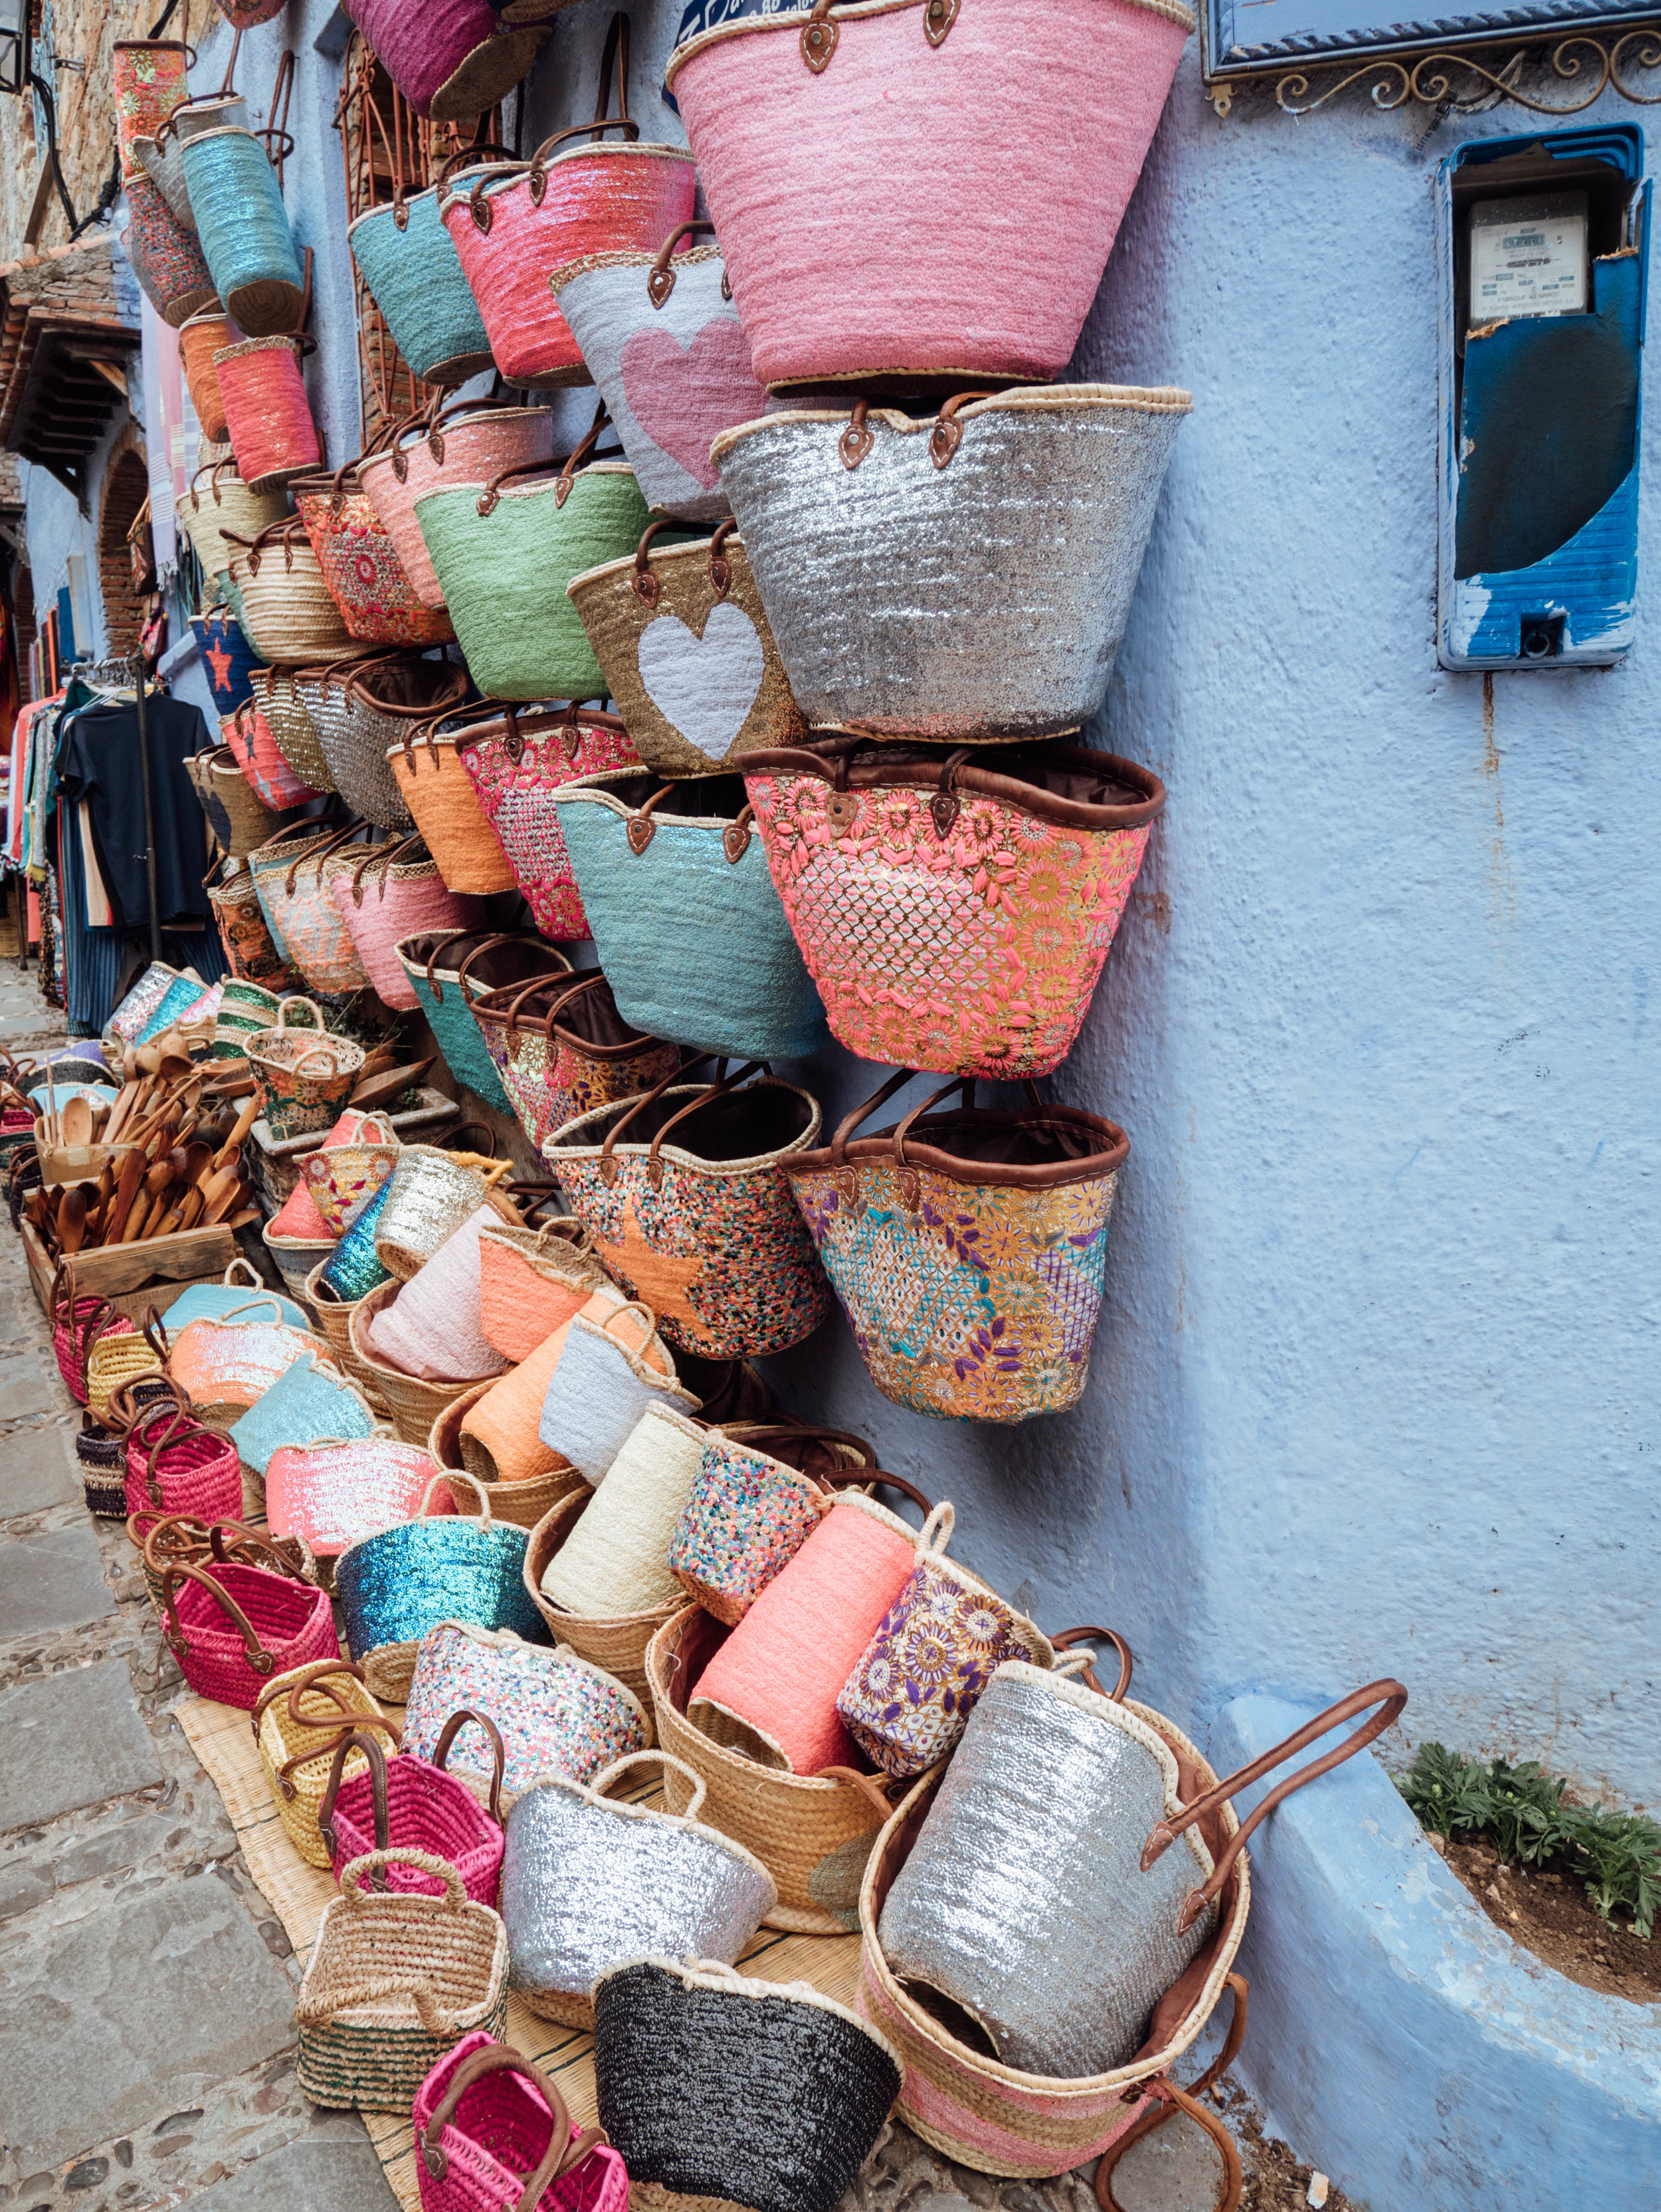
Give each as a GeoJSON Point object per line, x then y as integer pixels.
{"type": "Point", "coordinates": [871, 765]}
{"type": "Point", "coordinates": [500, 1003]}
{"type": "Point", "coordinates": [1115, 1148]}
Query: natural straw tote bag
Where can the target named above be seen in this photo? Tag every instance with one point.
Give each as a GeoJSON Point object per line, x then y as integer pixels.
{"type": "Point", "coordinates": [683, 639]}
{"type": "Point", "coordinates": [303, 1079]}
{"type": "Point", "coordinates": [969, 1248]}
{"type": "Point", "coordinates": [393, 1981]}
{"type": "Point", "coordinates": [243, 229]}
{"type": "Point", "coordinates": [228, 661]}
{"type": "Point", "coordinates": [267, 414]}
{"type": "Point", "coordinates": [468, 442]}
{"type": "Point", "coordinates": [715, 2087]}
{"type": "Point", "coordinates": [492, 2130]}
{"type": "Point", "coordinates": [514, 224]}
{"type": "Point", "coordinates": [451, 59]}
{"type": "Point", "coordinates": [889, 514]}
{"type": "Point", "coordinates": [388, 897]}
{"type": "Point", "coordinates": [221, 516]}
{"type": "Point", "coordinates": [300, 1719]}
{"type": "Point", "coordinates": [448, 968]}
{"type": "Point", "coordinates": [240, 818]}
{"type": "Point", "coordinates": [505, 550]}
{"type": "Point", "coordinates": [396, 1585]}
{"type": "Point", "coordinates": [515, 758]}
{"type": "Point", "coordinates": [147, 82]}
{"type": "Point", "coordinates": [231, 1627]}
{"type": "Point", "coordinates": [953, 915]}
{"type": "Point", "coordinates": [407, 1803]}
{"type": "Point", "coordinates": [423, 766]}
{"type": "Point", "coordinates": [360, 565]}
{"type": "Point", "coordinates": [607, 1560]}
{"type": "Point", "coordinates": [432, 1328]}
{"type": "Point", "coordinates": [869, 281]}
{"type": "Point", "coordinates": [358, 708]}
{"type": "Point", "coordinates": [261, 761]}
{"type": "Point", "coordinates": [164, 256]}
{"type": "Point", "coordinates": [301, 900]}
{"type": "Point", "coordinates": [587, 1883]}
{"type": "Point", "coordinates": [611, 1370]}
{"type": "Point", "coordinates": [520, 1500]}
{"type": "Point", "coordinates": [563, 1049]}
{"type": "Point", "coordinates": [666, 350]}
{"type": "Point", "coordinates": [408, 267]}
{"type": "Point", "coordinates": [200, 339]}
{"type": "Point", "coordinates": [287, 608]}
{"type": "Point", "coordinates": [700, 1229]}
{"type": "Point", "coordinates": [276, 696]}
{"type": "Point", "coordinates": [555, 1713]}
{"type": "Point", "coordinates": [662, 865]}
{"type": "Point", "coordinates": [346, 1172]}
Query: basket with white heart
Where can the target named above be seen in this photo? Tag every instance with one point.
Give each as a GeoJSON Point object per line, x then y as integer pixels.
{"type": "Point", "coordinates": [661, 337]}
{"type": "Point", "coordinates": [681, 636]}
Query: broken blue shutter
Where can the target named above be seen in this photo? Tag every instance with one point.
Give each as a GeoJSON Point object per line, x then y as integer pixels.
{"type": "Point", "coordinates": [1540, 419]}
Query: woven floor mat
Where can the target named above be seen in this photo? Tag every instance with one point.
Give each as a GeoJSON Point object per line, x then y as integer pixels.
{"type": "Point", "coordinates": [222, 1739]}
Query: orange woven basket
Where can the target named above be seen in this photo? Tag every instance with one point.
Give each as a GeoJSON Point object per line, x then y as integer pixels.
{"type": "Point", "coordinates": [204, 335]}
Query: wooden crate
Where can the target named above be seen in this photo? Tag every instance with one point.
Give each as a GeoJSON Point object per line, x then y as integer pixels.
{"type": "Point", "coordinates": [135, 1276]}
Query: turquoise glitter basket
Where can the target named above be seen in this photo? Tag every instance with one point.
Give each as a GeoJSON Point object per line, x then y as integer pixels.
{"type": "Point", "coordinates": [405, 257]}
{"type": "Point", "coordinates": [661, 865]}
{"type": "Point", "coordinates": [394, 1586]}
{"type": "Point", "coordinates": [354, 1268]}
{"type": "Point", "coordinates": [242, 227]}
{"type": "Point", "coordinates": [305, 1403]}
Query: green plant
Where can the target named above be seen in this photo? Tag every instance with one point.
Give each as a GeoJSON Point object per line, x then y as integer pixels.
{"type": "Point", "coordinates": [1523, 1812]}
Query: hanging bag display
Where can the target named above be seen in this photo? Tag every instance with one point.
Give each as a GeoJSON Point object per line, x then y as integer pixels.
{"type": "Point", "coordinates": [449, 59]}
{"type": "Point", "coordinates": [700, 1230]}
{"type": "Point", "coordinates": [468, 442]}
{"type": "Point", "coordinates": [378, 603]}
{"type": "Point", "coordinates": [221, 516]}
{"type": "Point", "coordinates": [399, 1584]}
{"type": "Point", "coordinates": [563, 1049]}
{"type": "Point", "coordinates": [611, 1371]}
{"type": "Point", "coordinates": [514, 224]}
{"type": "Point", "coordinates": [872, 278]}
{"type": "Point", "coordinates": [300, 1720]}
{"type": "Point", "coordinates": [244, 935]}
{"type": "Point", "coordinates": [287, 609]}
{"type": "Point", "coordinates": [302, 902]}
{"type": "Point", "coordinates": [276, 694]}
{"type": "Point", "coordinates": [262, 763]}
{"type": "Point", "coordinates": [231, 1627]}
{"type": "Point", "coordinates": [393, 1981]}
{"type": "Point", "coordinates": [268, 417]}
{"type": "Point", "coordinates": [713, 2086]}
{"type": "Point", "coordinates": [243, 229]}
{"type": "Point", "coordinates": [406, 1803]}
{"type": "Point", "coordinates": [147, 82]}
{"type": "Point", "coordinates": [553, 1711]}
{"type": "Point", "coordinates": [447, 970]}
{"type": "Point", "coordinates": [952, 915]}
{"type": "Point", "coordinates": [200, 339]}
{"type": "Point", "coordinates": [678, 864]}
{"type": "Point", "coordinates": [886, 515]}
{"type": "Point", "coordinates": [269, 865]}
{"type": "Point", "coordinates": [515, 758]}
{"type": "Point", "coordinates": [407, 264]}
{"type": "Point", "coordinates": [423, 766]}
{"type": "Point", "coordinates": [505, 550]}
{"type": "Point", "coordinates": [683, 640]}
{"type": "Point", "coordinates": [389, 895]}
{"type": "Point", "coordinates": [228, 658]}
{"type": "Point", "coordinates": [968, 1248]}
{"type": "Point", "coordinates": [662, 341]}
{"type": "Point", "coordinates": [358, 708]}
{"type": "Point", "coordinates": [237, 816]}
{"type": "Point", "coordinates": [587, 1883]}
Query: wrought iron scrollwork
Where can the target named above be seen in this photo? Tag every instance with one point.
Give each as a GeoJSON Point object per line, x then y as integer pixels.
{"type": "Point", "coordinates": [1465, 80]}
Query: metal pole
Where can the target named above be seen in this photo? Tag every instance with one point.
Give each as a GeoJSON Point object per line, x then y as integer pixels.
{"type": "Point", "coordinates": [150, 809]}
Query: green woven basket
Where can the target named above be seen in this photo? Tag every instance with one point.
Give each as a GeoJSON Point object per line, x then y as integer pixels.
{"type": "Point", "coordinates": [504, 553]}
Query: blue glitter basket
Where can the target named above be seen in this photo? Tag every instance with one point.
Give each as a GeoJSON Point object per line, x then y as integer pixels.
{"type": "Point", "coordinates": [394, 1586]}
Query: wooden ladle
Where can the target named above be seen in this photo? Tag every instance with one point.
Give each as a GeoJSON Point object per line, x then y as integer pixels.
{"type": "Point", "coordinates": [77, 1122]}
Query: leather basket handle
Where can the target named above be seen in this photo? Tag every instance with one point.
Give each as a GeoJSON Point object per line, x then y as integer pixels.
{"type": "Point", "coordinates": [1387, 1695]}
{"type": "Point", "coordinates": [660, 280]}
{"type": "Point", "coordinates": [451, 1729]}
{"type": "Point", "coordinates": [261, 1660]}
{"type": "Point", "coordinates": [1068, 1636]}
{"type": "Point", "coordinates": [562, 2152]}
{"type": "Point", "coordinates": [1170, 2099]}
{"type": "Point", "coordinates": [350, 1740]}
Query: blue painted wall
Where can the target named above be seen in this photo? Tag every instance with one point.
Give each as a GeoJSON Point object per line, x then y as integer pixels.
{"type": "Point", "coordinates": [1375, 1385]}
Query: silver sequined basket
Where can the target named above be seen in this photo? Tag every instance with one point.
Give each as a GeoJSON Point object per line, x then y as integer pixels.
{"type": "Point", "coordinates": [588, 1882]}
{"type": "Point", "coordinates": [713, 2086]}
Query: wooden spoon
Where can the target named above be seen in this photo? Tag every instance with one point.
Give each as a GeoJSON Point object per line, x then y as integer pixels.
{"type": "Point", "coordinates": [127, 1183]}
{"type": "Point", "coordinates": [77, 1120]}
{"type": "Point", "coordinates": [72, 1218]}
{"type": "Point", "coordinates": [239, 1129]}
{"type": "Point", "coordinates": [99, 1212]}
{"type": "Point", "coordinates": [228, 1199]}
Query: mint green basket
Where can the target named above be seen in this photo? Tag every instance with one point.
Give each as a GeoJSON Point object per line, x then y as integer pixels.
{"type": "Point", "coordinates": [503, 552]}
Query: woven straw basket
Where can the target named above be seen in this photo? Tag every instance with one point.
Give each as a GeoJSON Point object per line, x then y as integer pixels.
{"type": "Point", "coordinates": [268, 417]}
{"type": "Point", "coordinates": [298, 1723]}
{"type": "Point", "coordinates": [448, 969]}
{"type": "Point", "coordinates": [359, 708]}
{"type": "Point", "coordinates": [449, 59]}
{"type": "Point", "coordinates": [333, 1320]}
{"type": "Point", "coordinates": [526, 1503]}
{"type": "Point", "coordinates": [619, 1645]}
{"type": "Point", "coordinates": [165, 258]}
{"type": "Point", "coordinates": [405, 257]}
{"type": "Point", "coordinates": [392, 895]}
{"type": "Point", "coordinates": [285, 600]}
{"type": "Point", "coordinates": [469, 443]}
{"type": "Point", "coordinates": [424, 765]}
{"type": "Point", "coordinates": [414, 1404]}
{"type": "Point", "coordinates": [813, 1835]}
{"type": "Point", "coordinates": [360, 565]}
{"type": "Point", "coordinates": [147, 82]}
{"type": "Point", "coordinates": [276, 694]}
{"type": "Point", "coordinates": [225, 507]}
{"type": "Point", "coordinates": [516, 760]}
{"type": "Point", "coordinates": [243, 229]}
{"type": "Point", "coordinates": [199, 340]}
{"type": "Point", "coordinates": [682, 638]}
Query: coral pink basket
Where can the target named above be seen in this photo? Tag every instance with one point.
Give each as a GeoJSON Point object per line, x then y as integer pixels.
{"type": "Point", "coordinates": [934, 215]}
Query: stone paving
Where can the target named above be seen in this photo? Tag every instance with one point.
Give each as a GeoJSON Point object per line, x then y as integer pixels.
{"type": "Point", "coordinates": [146, 2046]}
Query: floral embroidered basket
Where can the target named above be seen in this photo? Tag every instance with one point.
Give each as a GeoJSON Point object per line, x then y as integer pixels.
{"type": "Point", "coordinates": [361, 566]}
{"type": "Point", "coordinates": [683, 639]}
{"type": "Point", "coordinates": [968, 1248]}
{"type": "Point", "coordinates": [515, 758]}
{"type": "Point", "coordinates": [304, 911]}
{"type": "Point", "coordinates": [147, 82]}
{"type": "Point", "coordinates": [304, 1078]}
{"type": "Point", "coordinates": [699, 1228]}
{"type": "Point", "coordinates": [953, 916]}
{"type": "Point", "coordinates": [342, 1178]}
{"type": "Point", "coordinates": [562, 1048]}
{"type": "Point", "coordinates": [359, 708]}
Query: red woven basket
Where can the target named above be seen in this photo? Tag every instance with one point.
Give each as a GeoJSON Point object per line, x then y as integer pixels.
{"type": "Point", "coordinates": [231, 1627]}
{"type": "Point", "coordinates": [75, 1323]}
{"type": "Point", "coordinates": [184, 1469]}
{"type": "Point", "coordinates": [403, 1803]}
{"type": "Point", "coordinates": [267, 414]}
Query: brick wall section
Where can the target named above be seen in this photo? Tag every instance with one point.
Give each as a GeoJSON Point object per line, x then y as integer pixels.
{"type": "Point", "coordinates": [84, 30]}
{"type": "Point", "coordinates": [124, 491]}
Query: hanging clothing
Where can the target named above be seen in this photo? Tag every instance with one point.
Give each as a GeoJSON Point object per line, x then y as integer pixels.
{"type": "Point", "coordinates": [97, 760]}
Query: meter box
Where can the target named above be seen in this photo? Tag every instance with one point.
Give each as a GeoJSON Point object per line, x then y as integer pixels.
{"type": "Point", "coordinates": [1544, 258]}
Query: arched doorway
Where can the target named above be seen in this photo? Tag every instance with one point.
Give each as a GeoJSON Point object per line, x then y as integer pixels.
{"type": "Point", "coordinates": [126, 487]}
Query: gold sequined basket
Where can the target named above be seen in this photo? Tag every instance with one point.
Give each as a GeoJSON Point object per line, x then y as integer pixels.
{"type": "Point", "coordinates": [395, 1978]}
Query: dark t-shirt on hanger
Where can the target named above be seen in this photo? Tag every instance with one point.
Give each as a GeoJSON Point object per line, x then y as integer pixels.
{"type": "Point", "coordinates": [97, 760]}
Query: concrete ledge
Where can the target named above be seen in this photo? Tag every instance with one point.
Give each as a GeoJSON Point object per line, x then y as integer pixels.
{"type": "Point", "coordinates": [1399, 2040]}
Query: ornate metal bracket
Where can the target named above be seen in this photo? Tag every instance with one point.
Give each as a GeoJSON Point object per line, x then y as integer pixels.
{"type": "Point", "coordinates": [1467, 78]}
